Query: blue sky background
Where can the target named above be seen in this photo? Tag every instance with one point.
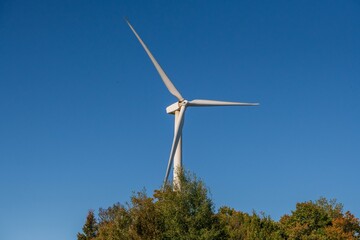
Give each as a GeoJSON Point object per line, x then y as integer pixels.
{"type": "Point", "coordinates": [82, 109]}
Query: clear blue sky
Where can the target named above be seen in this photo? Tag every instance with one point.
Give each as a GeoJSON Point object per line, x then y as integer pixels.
{"type": "Point", "coordinates": [82, 109]}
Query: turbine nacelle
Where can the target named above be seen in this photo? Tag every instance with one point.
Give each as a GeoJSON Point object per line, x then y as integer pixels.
{"type": "Point", "coordinates": [176, 106]}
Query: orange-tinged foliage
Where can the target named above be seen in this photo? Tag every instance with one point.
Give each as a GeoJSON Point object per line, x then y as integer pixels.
{"type": "Point", "coordinates": [322, 219]}
{"type": "Point", "coordinates": [344, 227]}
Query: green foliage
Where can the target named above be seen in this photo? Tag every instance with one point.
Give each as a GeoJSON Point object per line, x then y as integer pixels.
{"type": "Point", "coordinates": [239, 225]}
{"type": "Point", "coordinates": [188, 213]}
{"type": "Point", "coordinates": [89, 228]}
{"type": "Point", "coordinates": [114, 223]}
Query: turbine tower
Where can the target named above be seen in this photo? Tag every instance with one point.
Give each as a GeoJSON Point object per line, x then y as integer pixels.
{"type": "Point", "coordinates": [178, 110]}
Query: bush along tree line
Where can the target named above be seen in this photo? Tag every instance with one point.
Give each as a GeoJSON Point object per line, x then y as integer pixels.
{"type": "Point", "coordinates": [188, 213]}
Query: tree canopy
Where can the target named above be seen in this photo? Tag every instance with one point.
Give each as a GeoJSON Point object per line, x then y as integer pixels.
{"type": "Point", "coordinates": [188, 213]}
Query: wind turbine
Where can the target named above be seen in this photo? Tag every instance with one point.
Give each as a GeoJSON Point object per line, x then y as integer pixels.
{"type": "Point", "coordinates": [178, 109]}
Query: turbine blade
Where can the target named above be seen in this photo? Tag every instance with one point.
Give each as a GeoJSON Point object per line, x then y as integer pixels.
{"type": "Point", "coordinates": [177, 135]}
{"type": "Point", "coordinates": [214, 103]}
{"type": "Point", "coordinates": [170, 86]}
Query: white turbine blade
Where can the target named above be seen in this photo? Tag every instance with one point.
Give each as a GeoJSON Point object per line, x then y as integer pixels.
{"type": "Point", "coordinates": [177, 135]}
{"type": "Point", "coordinates": [170, 86]}
{"type": "Point", "coordinates": [214, 103]}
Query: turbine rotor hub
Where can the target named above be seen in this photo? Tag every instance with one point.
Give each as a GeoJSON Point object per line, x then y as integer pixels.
{"type": "Point", "coordinates": [183, 103]}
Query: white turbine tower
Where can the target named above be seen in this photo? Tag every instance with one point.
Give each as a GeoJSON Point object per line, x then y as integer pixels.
{"type": "Point", "coordinates": [178, 109]}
